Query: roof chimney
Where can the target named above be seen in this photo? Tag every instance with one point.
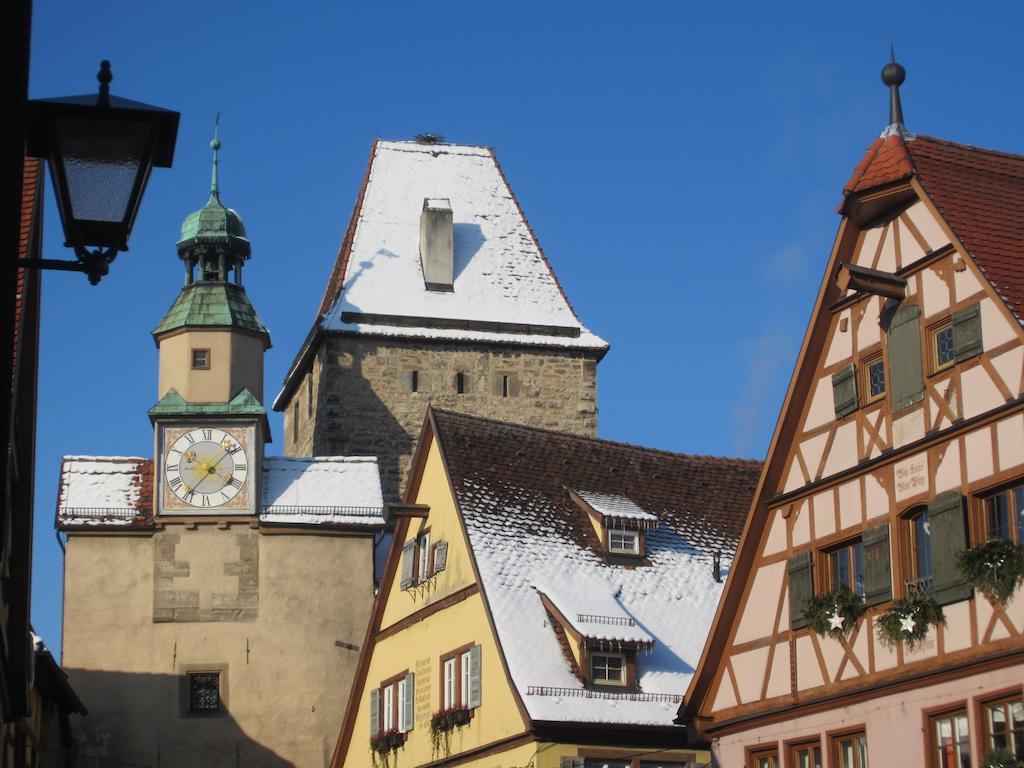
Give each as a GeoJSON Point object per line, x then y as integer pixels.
{"type": "Point", "coordinates": [436, 249]}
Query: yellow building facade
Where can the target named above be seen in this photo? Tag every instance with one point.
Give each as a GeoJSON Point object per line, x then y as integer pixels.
{"type": "Point", "coordinates": [445, 676]}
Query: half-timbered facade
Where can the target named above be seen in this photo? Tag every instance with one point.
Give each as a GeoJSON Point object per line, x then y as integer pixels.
{"type": "Point", "coordinates": [900, 446]}
{"type": "Point", "coordinates": [544, 602]}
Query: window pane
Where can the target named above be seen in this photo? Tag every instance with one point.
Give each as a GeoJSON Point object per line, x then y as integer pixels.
{"type": "Point", "coordinates": [998, 518]}
{"type": "Point", "coordinates": [944, 352]}
{"type": "Point", "coordinates": [449, 683]}
{"type": "Point", "coordinates": [923, 546]}
{"type": "Point", "coordinates": [858, 568]}
{"type": "Point", "coordinates": [389, 694]}
{"type": "Point", "coordinates": [465, 679]}
{"type": "Point", "coordinates": [1018, 510]}
{"type": "Point", "coordinates": [876, 378]}
{"type": "Point", "coordinates": [842, 558]}
{"type": "Point", "coordinates": [401, 706]}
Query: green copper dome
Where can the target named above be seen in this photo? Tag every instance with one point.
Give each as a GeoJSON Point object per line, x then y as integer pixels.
{"type": "Point", "coordinates": [221, 305]}
{"type": "Point", "coordinates": [214, 224]}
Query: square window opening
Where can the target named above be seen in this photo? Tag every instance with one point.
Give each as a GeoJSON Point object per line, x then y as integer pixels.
{"type": "Point", "coordinates": [200, 359]}
{"type": "Point", "coordinates": [846, 567]}
{"type": "Point", "coordinates": [943, 348]}
{"type": "Point", "coordinates": [874, 379]}
{"type": "Point", "coordinates": [608, 669]}
{"type": "Point", "coordinates": [623, 542]}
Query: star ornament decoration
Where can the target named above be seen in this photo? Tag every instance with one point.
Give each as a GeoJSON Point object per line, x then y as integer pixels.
{"type": "Point", "coordinates": [835, 621]}
{"type": "Point", "coordinates": [907, 624]}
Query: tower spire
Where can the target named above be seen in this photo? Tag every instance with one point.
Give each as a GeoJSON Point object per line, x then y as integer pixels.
{"type": "Point", "coordinates": [893, 75]}
{"type": "Point", "coordinates": [215, 146]}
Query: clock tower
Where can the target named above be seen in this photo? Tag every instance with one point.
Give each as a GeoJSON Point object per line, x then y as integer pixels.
{"type": "Point", "coordinates": [214, 596]}
{"type": "Point", "coordinates": [210, 422]}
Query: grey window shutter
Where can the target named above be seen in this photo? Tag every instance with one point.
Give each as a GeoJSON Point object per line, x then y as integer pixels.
{"type": "Point", "coordinates": [844, 390]}
{"type": "Point", "coordinates": [967, 332]}
{"type": "Point", "coordinates": [474, 676]}
{"type": "Point", "coordinates": [877, 565]}
{"type": "Point", "coordinates": [408, 562]}
{"type": "Point", "coordinates": [801, 588]}
{"type": "Point", "coordinates": [949, 537]}
{"type": "Point", "coordinates": [407, 706]}
{"type": "Point", "coordinates": [374, 711]}
{"type": "Point", "coordinates": [513, 385]}
{"type": "Point", "coordinates": [906, 378]}
{"type": "Point", "coordinates": [440, 556]}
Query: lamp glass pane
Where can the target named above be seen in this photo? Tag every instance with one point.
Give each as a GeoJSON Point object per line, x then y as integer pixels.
{"type": "Point", "coordinates": [102, 159]}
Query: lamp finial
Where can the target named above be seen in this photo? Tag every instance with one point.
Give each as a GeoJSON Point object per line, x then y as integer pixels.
{"type": "Point", "coordinates": [104, 76]}
{"type": "Point", "coordinates": [215, 146]}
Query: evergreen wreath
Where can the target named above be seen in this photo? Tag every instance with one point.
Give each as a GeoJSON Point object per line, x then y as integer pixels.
{"type": "Point", "coordinates": [1000, 758]}
{"type": "Point", "coordinates": [442, 723]}
{"type": "Point", "coordinates": [385, 745]}
{"type": "Point", "coordinates": [834, 614]}
{"type": "Point", "coordinates": [994, 568]}
{"type": "Point", "coordinates": [908, 620]}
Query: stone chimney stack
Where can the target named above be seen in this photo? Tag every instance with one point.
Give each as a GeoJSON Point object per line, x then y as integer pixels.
{"type": "Point", "coordinates": [436, 249]}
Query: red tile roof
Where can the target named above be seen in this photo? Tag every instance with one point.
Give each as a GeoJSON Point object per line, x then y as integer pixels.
{"type": "Point", "coordinates": [31, 192]}
{"type": "Point", "coordinates": [979, 192]}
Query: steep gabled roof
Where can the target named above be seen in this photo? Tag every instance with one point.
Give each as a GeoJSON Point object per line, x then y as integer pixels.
{"type": "Point", "coordinates": [979, 192]}
{"type": "Point", "coordinates": [528, 536]}
{"type": "Point", "coordinates": [505, 291]}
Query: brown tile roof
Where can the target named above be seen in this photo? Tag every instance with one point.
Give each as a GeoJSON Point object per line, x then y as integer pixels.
{"type": "Point", "coordinates": [979, 192]}
{"type": "Point", "coordinates": [703, 498]}
{"type": "Point", "coordinates": [31, 192]}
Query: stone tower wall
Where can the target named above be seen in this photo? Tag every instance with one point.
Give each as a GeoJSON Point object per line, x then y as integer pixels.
{"type": "Point", "coordinates": [363, 401]}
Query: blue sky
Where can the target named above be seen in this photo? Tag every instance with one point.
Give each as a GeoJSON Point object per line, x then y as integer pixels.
{"type": "Point", "coordinates": [680, 163]}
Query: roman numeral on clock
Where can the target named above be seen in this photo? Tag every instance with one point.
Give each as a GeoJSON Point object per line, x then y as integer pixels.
{"type": "Point", "coordinates": [191, 440]}
{"type": "Point", "coordinates": [188, 495]}
{"type": "Point", "coordinates": [206, 500]}
{"type": "Point", "coordinates": [236, 483]}
{"type": "Point", "coordinates": [175, 482]}
{"type": "Point", "coordinates": [207, 434]}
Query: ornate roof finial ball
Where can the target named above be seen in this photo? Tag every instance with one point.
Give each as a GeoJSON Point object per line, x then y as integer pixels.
{"type": "Point", "coordinates": [215, 144]}
{"type": "Point", "coordinates": [893, 74]}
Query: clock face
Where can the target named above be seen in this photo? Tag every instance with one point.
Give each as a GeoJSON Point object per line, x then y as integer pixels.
{"type": "Point", "coordinates": [206, 467]}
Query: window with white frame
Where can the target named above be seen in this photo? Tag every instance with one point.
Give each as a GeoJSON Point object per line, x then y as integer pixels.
{"type": "Point", "coordinates": [450, 683]}
{"type": "Point", "coordinates": [621, 541]}
{"type": "Point", "coordinates": [423, 547]}
{"type": "Point", "coordinates": [608, 668]}
{"type": "Point", "coordinates": [389, 708]}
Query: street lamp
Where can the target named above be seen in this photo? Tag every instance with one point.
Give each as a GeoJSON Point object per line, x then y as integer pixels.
{"type": "Point", "coordinates": [100, 149]}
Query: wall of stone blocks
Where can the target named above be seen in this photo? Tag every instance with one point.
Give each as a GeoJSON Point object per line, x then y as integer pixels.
{"type": "Point", "coordinates": [365, 404]}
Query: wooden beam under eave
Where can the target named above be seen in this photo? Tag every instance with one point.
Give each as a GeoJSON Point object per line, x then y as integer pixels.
{"type": "Point", "coordinates": [873, 281]}
{"type": "Point", "coordinates": [407, 510]}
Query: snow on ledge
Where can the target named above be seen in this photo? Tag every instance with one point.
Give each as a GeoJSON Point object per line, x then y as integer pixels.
{"type": "Point", "coordinates": [620, 507]}
{"type": "Point", "coordinates": [322, 490]}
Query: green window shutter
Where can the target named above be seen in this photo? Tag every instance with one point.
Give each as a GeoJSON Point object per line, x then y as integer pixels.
{"type": "Point", "coordinates": [408, 562]}
{"type": "Point", "coordinates": [877, 565]}
{"type": "Point", "coordinates": [905, 375]}
{"type": "Point", "coordinates": [967, 332]}
{"type": "Point", "coordinates": [947, 523]}
{"type": "Point", "coordinates": [801, 587]}
{"type": "Point", "coordinates": [440, 556]}
{"type": "Point", "coordinates": [407, 704]}
{"type": "Point", "coordinates": [474, 676]}
{"type": "Point", "coordinates": [374, 712]}
{"type": "Point", "coordinates": [844, 390]}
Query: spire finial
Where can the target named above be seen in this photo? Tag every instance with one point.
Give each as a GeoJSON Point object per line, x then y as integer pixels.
{"type": "Point", "coordinates": [215, 145]}
{"type": "Point", "coordinates": [893, 75]}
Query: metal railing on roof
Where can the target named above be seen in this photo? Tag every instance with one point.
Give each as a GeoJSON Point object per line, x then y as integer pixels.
{"type": "Point", "coordinates": [615, 621]}
{"type": "Point", "coordinates": [285, 509]}
{"type": "Point", "coordinates": [585, 693]}
{"type": "Point", "coordinates": [99, 513]}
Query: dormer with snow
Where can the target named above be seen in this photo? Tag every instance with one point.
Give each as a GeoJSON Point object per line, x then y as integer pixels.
{"type": "Point", "coordinates": [619, 523]}
{"type": "Point", "coordinates": [440, 294]}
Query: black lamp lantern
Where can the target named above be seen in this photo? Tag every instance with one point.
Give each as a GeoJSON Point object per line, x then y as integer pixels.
{"type": "Point", "coordinates": [100, 149]}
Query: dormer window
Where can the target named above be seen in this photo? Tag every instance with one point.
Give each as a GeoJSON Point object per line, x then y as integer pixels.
{"type": "Point", "coordinates": [620, 525]}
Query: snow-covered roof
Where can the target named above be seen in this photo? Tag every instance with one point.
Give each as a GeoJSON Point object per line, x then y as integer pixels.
{"type": "Point", "coordinates": [117, 491]}
{"type": "Point", "coordinates": [505, 291]}
{"type": "Point", "coordinates": [529, 537]}
{"type": "Point", "coordinates": [322, 490]}
{"type": "Point", "coordinates": [616, 506]}
{"type": "Point", "coordinates": [593, 610]}
{"type": "Point", "coordinates": [104, 490]}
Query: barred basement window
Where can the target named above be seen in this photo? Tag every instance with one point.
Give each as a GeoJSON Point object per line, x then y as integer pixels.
{"type": "Point", "coordinates": [204, 691]}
